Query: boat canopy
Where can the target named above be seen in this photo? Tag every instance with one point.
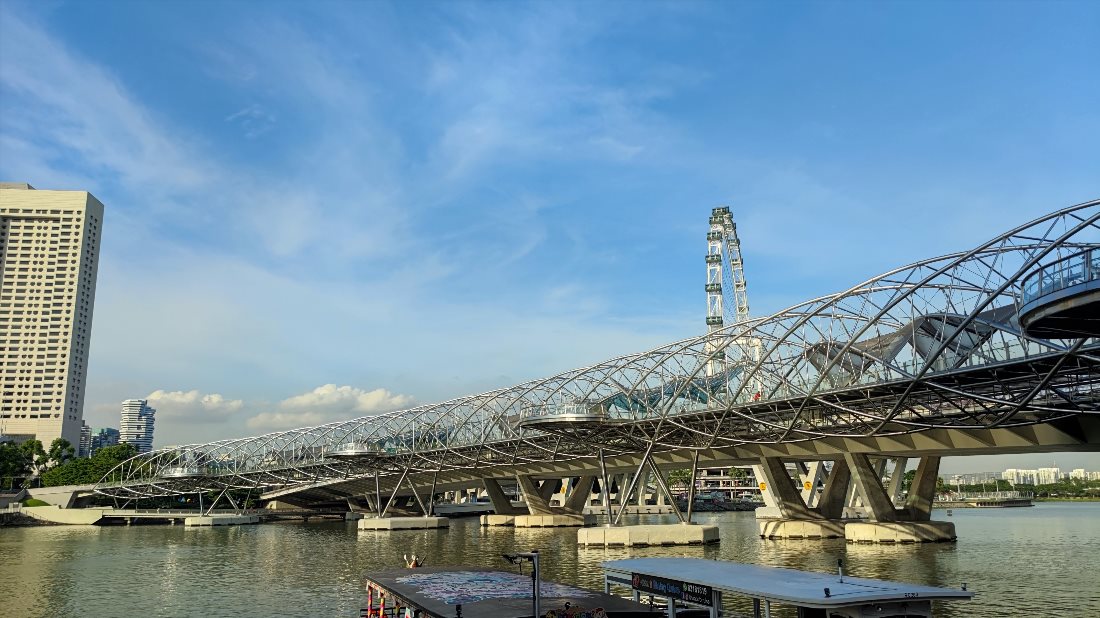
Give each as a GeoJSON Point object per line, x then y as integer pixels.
{"type": "Point", "coordinates": [692, 580]}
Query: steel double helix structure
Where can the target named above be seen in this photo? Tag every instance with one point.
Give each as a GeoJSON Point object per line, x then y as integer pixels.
{"type": "Point", "coordinates": [935, 344]}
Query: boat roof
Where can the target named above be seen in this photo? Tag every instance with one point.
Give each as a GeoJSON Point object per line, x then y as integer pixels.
{"type": "Point", "coordinates": [800, 588]}
{"type": "Point", "coordinates": [485, 593]}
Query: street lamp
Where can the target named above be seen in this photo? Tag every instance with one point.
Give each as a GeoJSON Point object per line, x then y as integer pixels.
{"type": "Point", "coordinates": [533, 558]}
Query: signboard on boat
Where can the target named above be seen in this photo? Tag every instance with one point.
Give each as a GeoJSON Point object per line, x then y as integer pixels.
{"type": "Point", "coordinates": [672, 589]}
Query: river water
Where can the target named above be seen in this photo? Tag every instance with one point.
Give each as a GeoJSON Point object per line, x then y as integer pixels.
{"type": "Point", "coordinates": [1038, 561]}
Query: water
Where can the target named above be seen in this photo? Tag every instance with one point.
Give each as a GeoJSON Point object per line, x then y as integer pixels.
{"type": "Point", "coordinates": [1038, 561]}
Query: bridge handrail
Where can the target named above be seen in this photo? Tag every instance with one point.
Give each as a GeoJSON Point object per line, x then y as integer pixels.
{"type": "Point", "coordinates": [1072, 270]}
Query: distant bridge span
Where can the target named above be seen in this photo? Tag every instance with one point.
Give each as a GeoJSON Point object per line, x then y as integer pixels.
{"type": "Point", "coordinates": [927, 359]}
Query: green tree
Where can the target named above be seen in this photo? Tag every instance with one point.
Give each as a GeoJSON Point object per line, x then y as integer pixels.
{"type": "Point", "coordinates": [35, 455]}
{"type": "Point", "coordinates": [679, 477]}
{"type": "Point", "coordinates": [907, 479]}
{"type": "Point", "coordinates": [86, 471]}
{"type": "Point", "coordinates": [14, 464]}
{"type": "Point", "coordinates": [61, 451]}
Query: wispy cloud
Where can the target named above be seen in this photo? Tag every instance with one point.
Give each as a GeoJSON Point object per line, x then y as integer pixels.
{"type": "Point", "coordinates": [253, 120]}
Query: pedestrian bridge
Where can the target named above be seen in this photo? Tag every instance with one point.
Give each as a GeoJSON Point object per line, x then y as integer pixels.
{"type": "Point", "coordinates": [952, 355]}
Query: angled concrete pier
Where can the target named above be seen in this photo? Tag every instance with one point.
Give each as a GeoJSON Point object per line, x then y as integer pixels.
{"type": "Point", "coordinates": [854, 488]}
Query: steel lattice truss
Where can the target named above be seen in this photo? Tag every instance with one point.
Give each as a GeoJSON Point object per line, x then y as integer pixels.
{"type": "Point", "coordinates": [933, 344]}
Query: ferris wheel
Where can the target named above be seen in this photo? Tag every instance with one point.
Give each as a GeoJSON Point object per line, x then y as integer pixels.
{"type": "Point", "coordinates": [727, 296]}
{"type": "Point", "coordinates": [725, 273]}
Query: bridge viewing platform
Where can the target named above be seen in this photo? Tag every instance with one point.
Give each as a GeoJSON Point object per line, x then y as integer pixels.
{"type": "Point", "coordinates": [1061, 300]}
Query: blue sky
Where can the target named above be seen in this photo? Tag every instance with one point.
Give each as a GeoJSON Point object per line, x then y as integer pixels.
{"type": "Point", "coordinates": [319, 210]}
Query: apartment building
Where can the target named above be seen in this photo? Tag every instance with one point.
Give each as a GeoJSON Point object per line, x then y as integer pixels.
{"type": "Point", "coordinates": [49, 257]}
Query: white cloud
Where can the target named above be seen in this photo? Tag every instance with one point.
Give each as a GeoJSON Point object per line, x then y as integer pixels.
{"type": "Point", "coordinates": [329, 403]}
{"type": "Point", "coordinates": [273, 421]}
{"type": "Point", "coordinates": [193, 405]}
{"type": "Point", "coordinates": [347, 399]}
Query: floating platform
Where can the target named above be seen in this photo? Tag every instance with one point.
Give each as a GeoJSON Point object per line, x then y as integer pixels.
{"type": "Point", "coordinates": [640, 536]}
{"type": "Point", "coordinates": [403, 523]}
{"type": "Point", "coordinates": [801, 528]}
{"type": "Point", "coordinates": [900, 532]}
{"type": "Point", "coordinates": [441, 592]}
{"type": "Point", "coordinates": [220, 520]}
{"type": "Point", "coordinates": [560, 520]}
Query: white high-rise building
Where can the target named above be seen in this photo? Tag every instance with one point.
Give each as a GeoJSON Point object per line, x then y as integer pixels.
{"type": "Point", "coordinates": [1047, 476]}
{"type": "Point", "coordinates": [49, 255]}
{"type": "Point", "coordinates": [1079, 474]}
{"type": "Point", "coordinates": [137, 424]}
{"type": "Point", "coordinates": [1016, 477]}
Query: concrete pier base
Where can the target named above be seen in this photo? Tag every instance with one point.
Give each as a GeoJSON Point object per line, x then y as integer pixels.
{"type": "Point", "coordinates": [901, 532]}
{"type": "Point", "coordinates": [403, 523]}
{"type": "Point", "coordinates": [637, 536]}
{"type": "Point", "coordinates": [801, 528]}
{"type": "Point", "coordinates": [559, 520]}
{"type": "Point", "coordinates": [769, 512]}
{"type": "Point", "coordinates": [498, 520]}
{"type": "Point", "coordinates": [221, 520]}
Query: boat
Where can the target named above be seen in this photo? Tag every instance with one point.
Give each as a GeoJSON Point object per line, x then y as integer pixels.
{"type": "Point", "coordinates": [694, 583]}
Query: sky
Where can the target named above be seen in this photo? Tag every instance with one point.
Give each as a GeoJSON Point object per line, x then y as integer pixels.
{"type": "Point", "coordinates": [316, 211]}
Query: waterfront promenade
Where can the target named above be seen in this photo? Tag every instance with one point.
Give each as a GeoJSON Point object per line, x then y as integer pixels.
{"type": "Point", "coordinates": [296, 570]}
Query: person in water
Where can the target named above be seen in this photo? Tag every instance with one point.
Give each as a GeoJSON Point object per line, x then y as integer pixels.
{"type": "Point", "coordinates": [413, 562]}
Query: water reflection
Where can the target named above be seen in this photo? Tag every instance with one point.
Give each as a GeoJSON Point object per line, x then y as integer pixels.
{"type": "Point", "coordinates": [1040, 561]}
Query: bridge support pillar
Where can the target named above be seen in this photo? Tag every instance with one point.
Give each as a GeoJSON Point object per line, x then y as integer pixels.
{"type": "Point", "coordinates": [868, 485]}
{"type": "Point", "coordinates": [501, 504]}
{"type": "Point", "coordinates": [911, 524]}
{"type": "Point", "coordinates": [798, 521]}
{"type": "Point", "coordinates": [788, 499]}
{"type": "Point", "coordinates": [542, 515]}
{"type": "Point", "coordinates": [831, 502]}
{"type": "Point", "coordinates": [643, 480]}
{"type": "Point", "coordinates": [812, 473]}
{"type": "Point", "coordinates": [896, 478]}
{"type": "Point", "coordinates": [923, 490]}
{"type": "Point", "coordinates": [579, 495]}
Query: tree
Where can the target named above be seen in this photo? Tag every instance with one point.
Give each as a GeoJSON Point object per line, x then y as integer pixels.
{"type": "Point", "coordinates": [907, 479]}
{"type": "Point", "coordinates": [61, 451]}
{"type": "Point", "coordinates": [14, 463]}
{"type": "Point", "coordinates": [86, 471]}
{"type": "Point", "coordinates": [679, 477]}
{"type": "Point", "coordinates": [35, 455]}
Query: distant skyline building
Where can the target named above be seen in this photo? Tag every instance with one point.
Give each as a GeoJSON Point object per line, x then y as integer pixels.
{"type": "Point", "coordinates": [105, 436]}
{"type": "Point", "coordinates": [137, 424]}
{"type": "Point", "coordinates": [49, 255]}
{"type": "Point", "coordinates": [1018, 477]}
{"type": "Point", "coordinates": [1046, 476]}
{"type": "Point", "coordinates": [85, 447]}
